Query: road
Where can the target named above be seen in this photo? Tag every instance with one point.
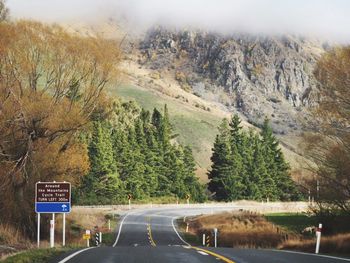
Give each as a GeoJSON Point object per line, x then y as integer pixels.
{"type": "Point", "coordinates": [149, 235]}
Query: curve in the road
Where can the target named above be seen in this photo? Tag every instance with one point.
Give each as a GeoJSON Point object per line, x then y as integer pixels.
{"type": "Point", "coordinates": [150, 235]}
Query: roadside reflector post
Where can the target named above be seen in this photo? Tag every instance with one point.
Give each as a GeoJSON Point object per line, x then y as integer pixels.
{"type": "Point", "coordinates": [215, 237]}
{"type": "Point", "coordinates": [318, 238]}
{"type": "Point", "coordinates": [97, 235]}
{"type": "Point", "coordinates": [100, 238]}
{"type": "Point", "coordinates": [187, 227]}
{"type": "Point", "coordinates": [203, 241]}
{"type": "Point", "coordinates": [207, 241]}
{"type": "Point", "coordinates": [109, 224]}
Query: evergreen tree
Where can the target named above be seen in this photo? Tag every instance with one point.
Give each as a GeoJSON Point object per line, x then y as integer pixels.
{"type": "Point", "coordinates": [277, 166]}
{"type": "Point", "coordinates": [245, 166]}
{"type": "Point", "coordinates": [221, 163]}
{"type": "Point", "coordinates": [103, 177]}
{"type": "Point", "coordinates": [236, 183]}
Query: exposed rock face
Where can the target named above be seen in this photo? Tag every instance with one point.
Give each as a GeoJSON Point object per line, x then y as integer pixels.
{"type": "Point", "coordinates": [259, 76]}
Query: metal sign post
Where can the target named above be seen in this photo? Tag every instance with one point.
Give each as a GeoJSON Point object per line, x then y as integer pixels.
{"type": "Point", "coordinates": [52, 197]}
{"type": "Point", "coordinates": [52, 231]}
{"type": "Point", "coordinates": [64, 230]}
{"type": "Point", "coordinates": [87, 236]}
{"type": "Point", "coordinates": [129, 198]}
{"type": "Point", "coordinates": [215, 237]}
{"type": "Point", "coordinates": [38, 231]}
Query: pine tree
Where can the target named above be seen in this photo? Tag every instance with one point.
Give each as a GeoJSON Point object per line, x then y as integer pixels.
{"type": "Point", "coordinates": [236, 184]}
{"type": "Point", "coordinates": [277, 167]}
{"type": "Point", "coordinates": [103, 177]}
{"type": "Point", "coordinates": [221, 162]}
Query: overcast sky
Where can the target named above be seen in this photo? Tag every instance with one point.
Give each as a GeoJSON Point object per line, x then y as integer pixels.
{"type": "Point", "coordinates": [329, 19]}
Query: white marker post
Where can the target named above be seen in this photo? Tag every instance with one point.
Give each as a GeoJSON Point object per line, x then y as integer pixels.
{"type": "Point", "coordinates": [52, 231]}
{"type": "Point", "coordinates": [215, 237]}
{"type": "Point", "coordinates": [64, 230]}
{"type": "Point", "coordinates": [38, 231]}
{"type": "Point", "coordinates": [187, 227]}
{"type": "Point", "coordinates": [318, 238]}
{"type": "Point", "coordinates": [109, 224]}
{"type": "Point", "coordinates": [203, 241]}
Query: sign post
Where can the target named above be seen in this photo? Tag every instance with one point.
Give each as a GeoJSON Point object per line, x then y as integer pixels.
{"type": "Point", "coordinates": [215, 237]}
{"type": "Point", "coordinates": [38, 231]}
{"type": "Point", "coordinates": [87, 236]}
{"type": "Point", "coordinates": [52, 197]}
{"type": "Point", "coordinates": [129, 198]}
{"type": "Point", "coordinates": [64, 230]}
{"type": "Point", "coordinates": [188, 196]}
{"type": "Point", "coordinates": [52, 231]}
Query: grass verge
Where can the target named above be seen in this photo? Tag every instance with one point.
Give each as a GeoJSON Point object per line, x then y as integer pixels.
{"type": "Point", "coordinates": [278, 230]}
{"type": "Point", "coordinates": [36, 255]}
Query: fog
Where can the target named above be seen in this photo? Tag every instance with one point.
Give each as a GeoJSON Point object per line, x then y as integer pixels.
{"type": "Point", "coordinates": [326, 19]}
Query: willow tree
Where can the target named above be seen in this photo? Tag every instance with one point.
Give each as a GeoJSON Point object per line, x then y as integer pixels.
{"type": "Point", "coordinates": [329, 146]}
{"type": "Point", "coordinates": [50, 85]}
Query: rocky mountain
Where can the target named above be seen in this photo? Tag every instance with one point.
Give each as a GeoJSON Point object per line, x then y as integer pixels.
{"type": "Point", "coordinates": [257, 75]}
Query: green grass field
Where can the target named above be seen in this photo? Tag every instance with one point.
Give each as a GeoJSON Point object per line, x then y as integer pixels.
{"type": "Point", "coordinates": [292, 221]}
{"type": "Point", "coordinates": [196, 128]}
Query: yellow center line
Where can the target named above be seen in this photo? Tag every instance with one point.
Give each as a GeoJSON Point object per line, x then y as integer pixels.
{"type": "Point", "coordinates": [150, 232]}
{"type": "Point", "coordinates": [150, 235]}
{"type": "Point", "coordinates": [214, 254]}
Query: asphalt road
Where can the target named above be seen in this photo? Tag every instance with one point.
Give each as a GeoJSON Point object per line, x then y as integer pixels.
{"type": "Point", "coordinates": [149, 236]}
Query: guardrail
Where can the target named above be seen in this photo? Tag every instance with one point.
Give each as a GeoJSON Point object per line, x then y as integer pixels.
{"type": "Point", "coordinates": [250, 205]}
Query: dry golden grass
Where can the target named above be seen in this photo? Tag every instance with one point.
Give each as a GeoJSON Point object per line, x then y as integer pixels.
{"type": "Point", "coordinates": [240, 229]}
{"type": "Point", "coordinates": [11, 240]}
{"type": "Point", "coordinates": [79, 220]}
{"type": "Point", "coordinates": [329, 244]}
{"type": "Point", "coordinates": [251, 230]}
{"type": "Point", "coordinates": [10, 236]}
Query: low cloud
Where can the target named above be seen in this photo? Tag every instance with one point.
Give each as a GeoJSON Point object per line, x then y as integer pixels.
{"type": "Point", "coordinates": [327, 19]}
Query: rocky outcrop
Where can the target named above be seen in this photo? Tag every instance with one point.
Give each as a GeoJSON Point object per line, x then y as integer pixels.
{"type": "Point", "coordinates": [258, 75]}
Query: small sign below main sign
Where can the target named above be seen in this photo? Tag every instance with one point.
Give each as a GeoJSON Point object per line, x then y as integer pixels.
{"type": "Point", "coordinates": [52, 197]}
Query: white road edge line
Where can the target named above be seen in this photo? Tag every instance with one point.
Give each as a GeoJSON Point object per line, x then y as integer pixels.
{"type": "Point", "coordinates": [309, 254]}
{"type": "Point", "coordinates": [74, 254]}
{"type": "Point", "coordinates": [172, 222]}
{"type": "Point", "coordinates": [202, 253]}
{"type": "Point", "coordinates": [120, 230]}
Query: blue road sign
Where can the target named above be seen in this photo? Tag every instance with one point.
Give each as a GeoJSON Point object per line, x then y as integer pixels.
{"type": "Point", "coordinates": [52, 197]}
{"type": "Point", "coordinates": [52, 207]}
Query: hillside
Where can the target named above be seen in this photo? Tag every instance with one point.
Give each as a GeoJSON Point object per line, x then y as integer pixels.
{"type": "Point", "coordinates": [262, 77]}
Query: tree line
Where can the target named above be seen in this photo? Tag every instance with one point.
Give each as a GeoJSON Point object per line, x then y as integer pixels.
{"type": "Point", "coordinates": [132, 152]}
{"type": "Point", "coordinates": [249, 165]}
